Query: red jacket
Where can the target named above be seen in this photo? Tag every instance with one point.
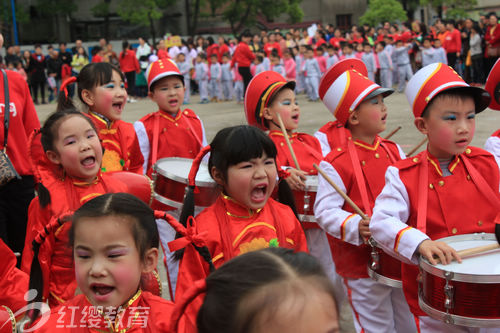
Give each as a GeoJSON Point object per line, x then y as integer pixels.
{"type": "Point", "coordinates": [145, 313]}
{"type": "Point", "coordinates": [221, 51]}
{"type": "Point", "coordinates": [274, 225]}
{"type": "Point", "coordinates": [350, 260]}
{"type": "Point", "coordinates": [13, 281]}
{"type": "Point", "coordinates": [129, 62]}
{"type": "Point", "coordinates": [212, 49]}
{"type": "Point", "coordinates": [453, 42]}
{"type": "Point", "coordinates": [455, 203]}
{"type": "Point", "coordinates": [121, 147]}
{"type": "Point", "coordinates": [162, 54]}
{"type": "Point", "coordinates": [242, 55]}
{"type": "Point", "coordinates": [23, 121]}
{"type": "Point", "coordinates": [269, 47]}
{"type": "Point", "coordinates": [492, 35]}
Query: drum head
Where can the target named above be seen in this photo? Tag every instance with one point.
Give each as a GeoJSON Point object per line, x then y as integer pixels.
{"type": "Point", "coordinates": [177, 168]}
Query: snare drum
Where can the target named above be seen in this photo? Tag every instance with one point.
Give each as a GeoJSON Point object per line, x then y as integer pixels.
{"type": "Point", "coordinates": [304, 200]}
{"type": "Point", "coordinates": [170, 179]}
{"type": "Point", "coordinates": [385, 269]}
{"type": "Point", "coordinates": [463, 294]}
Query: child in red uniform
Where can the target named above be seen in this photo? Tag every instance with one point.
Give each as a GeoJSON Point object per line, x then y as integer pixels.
{"type": "Point", "coordinates": [114, 241]}
{"type": "Point", "coordinates": [358, 168]}
{"type": "Point", "coordinates": [268, 94]}
{"type": "Point", "coordinates": [443, 191]}
{"type": "Point", "coordinates": [244, 218]}
{"type": "Point", "coordinates": [493, 88]}
{"type": "Point", "coordinates": [101, 89]}
{"type": "Point", "coordinates": [170, 131]}
{"type": "Point", "coordinates": [68, 173]}
{"type": "Point", "coordinates": [270, 290]}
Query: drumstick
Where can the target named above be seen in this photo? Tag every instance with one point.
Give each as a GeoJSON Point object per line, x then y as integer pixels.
{"type": "Point", "coordinates": [477, 250]}
{"type": "Point", "coordinates": [424, 140]}
{"type": "Point", "coordinates": [342, 193]}
{"type": "Point", "coordinates": [285, 134]}
{"type": "Point", "coordinates": [392, 133]}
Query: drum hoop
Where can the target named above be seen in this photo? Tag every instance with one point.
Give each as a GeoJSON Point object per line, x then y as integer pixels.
{"type": "Point", "coordinates": [462, 277]}
{"type": "Point", "coordinates": [457, 320]}
{"type": "Point", "coordinates": [178, 178]}
{"type": "Point", "coordinates": [166, 201]}
{"type": "Point", "coordinates": [312, 188]}
{"type": "Point", "coordinates": [384, 279]}
{"type": "Point", "coordinates": [307, 218]}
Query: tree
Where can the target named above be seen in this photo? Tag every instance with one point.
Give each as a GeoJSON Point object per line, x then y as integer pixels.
{"type": "Point", "coordinates": [6, 22]}
{"type": "Point", "coordinates": [102, 10]}
{"type": "Point", "coordinates": [454, 8]}
{"type": "Point", "coordinates": [244, 13]}
{"type": "Point", "coordinates": [383, 10]}
{"type": "Point", "coordinates": [54, 9]}
{"type": "Point", "coordinates": [192, 14]}
{"type": "Point", "coordinates": [143, 12]}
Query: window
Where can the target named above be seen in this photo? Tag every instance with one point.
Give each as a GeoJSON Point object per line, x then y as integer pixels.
{"type": "Point", "coordinates": [344, 21]}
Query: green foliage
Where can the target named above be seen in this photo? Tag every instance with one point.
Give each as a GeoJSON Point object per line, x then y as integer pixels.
{"type": "Point", "coordinates": [383, 10]}
{"type": "Point", "coordinates": [244, 13]}
{"type": "Point", "coordinates": [454, 8]}
{"type": "Point", "coordinates": [22, 16]}
{"type": "Point", "coordinates": [142, 11]}
{"type": "Point", "coordinates": [101, 9]}
{"type": "Point", "coordinates": [55, 7]}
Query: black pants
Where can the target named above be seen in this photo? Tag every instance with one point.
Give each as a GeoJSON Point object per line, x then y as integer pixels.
{"type": "Point", "coordinates": [452, 59]}
{"type": "Point", "coordinates": [15, 198]}
{"type": "Point", "coordinates": [35, 85]}
{"type": "Point", "coordinates": [477, 68]}
{"type": "Point", "coordinates": [247, 76]}
{"type": "Point", "coordinates": [130, 76]}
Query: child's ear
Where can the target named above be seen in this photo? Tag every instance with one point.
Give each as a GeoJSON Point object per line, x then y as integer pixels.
{"type": "Point", "coordinates": [88, 97]}
{"type": "Point", "coordinates": [151, 95]}
{"type": "Point", "coordinates": [421, 125]}
{"type": "Point", "coordinates": [53, 156]}
{"type": "Point", "coordinates": [353, 119]}
{"type": "Point", "coordinates": [267, 114]}
{"type": "Point", "coordinates": [150, 260]}
{"type": "Point", "coordinates": [217, 176]}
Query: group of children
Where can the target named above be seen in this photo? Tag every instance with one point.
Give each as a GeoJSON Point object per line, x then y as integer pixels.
{"type": "Point", "coordinates": [83, 162]}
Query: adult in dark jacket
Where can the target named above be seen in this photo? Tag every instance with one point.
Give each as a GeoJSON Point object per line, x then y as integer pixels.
{"type": "Point", "coordinates": [36, 71]}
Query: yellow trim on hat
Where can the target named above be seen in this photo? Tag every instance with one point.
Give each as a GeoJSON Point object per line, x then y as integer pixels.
{"type": "Point", "coordinates": [423, 84]}
{"type": "Point", "coordinates": [348, 83]}
{"type": "Point", "coordinates": [266, 95]}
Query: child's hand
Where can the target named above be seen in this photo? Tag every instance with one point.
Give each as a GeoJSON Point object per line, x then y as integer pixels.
{"type": "Point", "coordinates": [443, 252]}
{"type": "Point", "coordinates": [364, 229]}
{"type": "Point", "coordinates": [296, 179]}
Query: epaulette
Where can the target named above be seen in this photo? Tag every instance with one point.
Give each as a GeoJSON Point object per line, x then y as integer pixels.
{"type": "Point", "coordinates": [472, 152]}
{"type": "Point", "coordinates": [335, 153]}
{"type": "Point", "coordinates": [409, 162]}
{"type": "Point", "coordinates": [189, 113]}
{"type": "Point", "coordinates": [496, 133]}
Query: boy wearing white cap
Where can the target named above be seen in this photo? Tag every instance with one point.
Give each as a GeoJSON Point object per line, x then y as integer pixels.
{"type": "Point", "coordinates": [357, 165]}
{"type": "Point", "coordinates": [448, 189]}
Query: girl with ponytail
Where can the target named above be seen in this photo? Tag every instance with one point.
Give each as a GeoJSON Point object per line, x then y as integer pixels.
{"type": "Point", "coordinates": [244, 218]}
{"type": "Point", "coordinates": [101, 89]}
{"type": "Point", "coordinates": [67, 170]}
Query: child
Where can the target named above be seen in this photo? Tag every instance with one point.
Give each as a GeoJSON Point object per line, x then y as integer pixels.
{"type": "Point", "coordinates": [201, 76]}
{"type": "Point", "coordinates": [402, 61]}
{"type": "Point", "coordinates": [101, 89]}
{"type": "Point", "coordinates": [170, 131]}
{"type": "Point", "coordinates": [321, 58]}
{"type": "Point", "coordinates": [369, 61]}
{"type": "Point", "coordinates": [238, 85]}
{"type": "Point", "coordinates": [68, 173]}
{"type": "Point", "coordinates": [271, 290]}
{"type": "Point", "coordinates": [347, 51]}
{"type": "Point", "coordinates": [332, 57]}
{"type": "Point", "coordinates": [276, 65]}
{"type": "Point", "coordinates": [214, 90]}
{"type": "Point", "coordinates": [442, 191]}
{"type": "Point", "coordinates": [114, 241]}
{"type": "Point", "coordinates": [258, 65]}
{"type": "Point", "coordinates": [358, 168]}
{"type": "Point", "coordinates": [299, 64]}
{"type": "Point", "coordinates": [289, 64]}
{"type": "Point", "coordinates": [428, 53]}
{"type": "Point", "coordinates": [312, 74]}
{"type": "Point", "coordinates": [440, 52]}
{"type": "Point", "coordinates": [492, 86]}
{"type": "Point", "coordinates": [385, 62]}
{"type": "Point", "coordinates": [226, 78]}
{"type": "Point", "coordinates": [244, 218]}
{"type": "Point", "coordinates": [185, 69]}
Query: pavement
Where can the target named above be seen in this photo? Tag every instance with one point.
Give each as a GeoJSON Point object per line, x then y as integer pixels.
{"type": "Point", "coordinates": [216, 116]}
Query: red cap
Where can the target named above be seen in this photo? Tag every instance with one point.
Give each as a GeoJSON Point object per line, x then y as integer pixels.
{"type": "Point", "coordinates": [160, 69]}
{"type": "Point", "coordinates": [434, 79]}
{"type": "Point", "coordinates": [345, 85]}
{"type": "Point", "coordinates": [259, 91]}
{"type": "Point", "coordinates": [493, 86]}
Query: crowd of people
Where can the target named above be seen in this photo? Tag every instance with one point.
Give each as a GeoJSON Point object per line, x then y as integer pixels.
{"type": "Point", "coordinates": [88, 243]}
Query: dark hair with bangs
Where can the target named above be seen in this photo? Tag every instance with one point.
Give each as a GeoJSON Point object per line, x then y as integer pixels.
{"type": "Point", "coordinates": [458, 94]}
{"type": "Point", "coordinates": [91, 76]}
{"type": "Point", "coordinates": [249, 289]}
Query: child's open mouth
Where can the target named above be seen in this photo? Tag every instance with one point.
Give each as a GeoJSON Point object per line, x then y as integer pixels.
{"type": "Point", "coordinates": [462, 142]}
{"type": "Point", "coordinates": [259, 193]}
{"type": "Point", "coordinates": [101, 291]}
{"type": "Point", "coordinates": [173, 102]}
{"type": "Point", "coordinates": [118, 107]}
{"type": "Point", "coordinates": [384, 117]}
{"type": "Point", "coordinates": [88, 162]}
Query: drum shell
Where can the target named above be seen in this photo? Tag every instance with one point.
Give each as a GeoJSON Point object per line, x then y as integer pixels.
{"type": "Point", "coordinates": [388, 271]}
{"type": "Point", "coordinates": [304, 201]}
{"type": "Point", "coordinates": [138, 185]}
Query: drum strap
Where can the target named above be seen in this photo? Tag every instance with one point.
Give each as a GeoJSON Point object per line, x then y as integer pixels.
{"type": "Point", "coordinates": [423, 193]}
{"type": "Point", "coordinates": [481, 183]}
{"type": "Point", "coordinates": [156, 134]}
{"type": "Point", "coordinates": [389, 152]}
{"type": "Point", "coordinates": [359, 176]}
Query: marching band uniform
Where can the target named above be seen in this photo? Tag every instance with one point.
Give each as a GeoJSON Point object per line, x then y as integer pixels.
{"type": "Point", "coordinates": [492, 86]}
{"type": "Point", "coordinates": [121, 148]}
{"type": "Point", "coordinates": [455, 197]}
{"type": "Point", "coordinates": [358, 169]}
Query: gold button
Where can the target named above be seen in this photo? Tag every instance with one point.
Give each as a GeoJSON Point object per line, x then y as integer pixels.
{"type": "Point", "coordinates": [431, 186]}
{"type": "Point", "coordinates": [479, 223]}
{"type": "Point", "coordinates": [415, 159]}
{"type": "Point", "coordinates": [185, 112]}
{"type": "Point", "coordinates": [468, 177]}
{"type": "Point", "coordinates": [377, 155]}
{"type": "Point", "coordinates": [176, 124]}
{"type": "Point", "coordinates": [311, 171]}
{"type": "Point", "coordinates": [363, 163]}
{"type": "Point", "coordinates": [282, 144]}
{"type": "Point", "coordinates": [467, 151]}
{"type": "Point", "coordinates": [164, 129]}
{"type": "Point", "coordinates": [427, 99]}
{"type": "Point", "coordinates": [454, 230]}
{"type": "Point", "coordinates": [441, 183]}
{"type": "Point", "coordinates": [339, 149]}
{"type": "Point", "coordinates": [291, 141]}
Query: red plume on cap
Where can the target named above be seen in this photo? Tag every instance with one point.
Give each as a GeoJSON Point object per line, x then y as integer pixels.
{"type": "Point", "coordinates": [493, 86]}
{"type": "Point", "coordinates": [196, 165]}
{"type": "Point", "coordinates": [64, 85]}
